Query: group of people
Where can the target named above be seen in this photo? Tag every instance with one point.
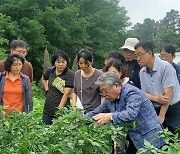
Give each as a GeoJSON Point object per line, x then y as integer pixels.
{"type": "Point", "coordinates": [133, 86]}
{"type": "Point", "coordinates": [16, 75]}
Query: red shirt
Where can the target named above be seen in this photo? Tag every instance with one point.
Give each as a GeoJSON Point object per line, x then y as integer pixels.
{"type": "Point", "coordinates": [12, 94]}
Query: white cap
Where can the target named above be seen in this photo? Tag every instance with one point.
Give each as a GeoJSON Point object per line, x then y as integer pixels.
{"type": "Point", "coordinates": [130, 43]}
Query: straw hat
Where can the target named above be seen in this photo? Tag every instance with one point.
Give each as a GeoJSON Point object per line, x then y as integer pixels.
{"type": "Point", "coordinates": [130, 43]}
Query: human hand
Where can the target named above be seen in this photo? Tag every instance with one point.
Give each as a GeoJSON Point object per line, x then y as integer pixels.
{"type": "Point", "coordinates": [163, 99]}
{"type": "Point", "coordinates": [102, 118]}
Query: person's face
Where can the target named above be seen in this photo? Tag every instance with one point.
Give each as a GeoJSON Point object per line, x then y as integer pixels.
{"type": "Point", "coordinates": [60, 64]}
{"type": "Point", "coordinates": [16, 66]}
{"type": "Point", "coordinates": [110, 93]}
{"type": "Point", "coordinates": [114, 70]}
{"type": "Point", "coordinates": [128, 55]}
{"type": "Point", "coordinates": [166, 56]}
{"type": "Point", "coordinates": [84, 65]}
{"type": "Point", "coordinates": [142, 56]}
{"type": "Point", "coordinates": [20, 50]}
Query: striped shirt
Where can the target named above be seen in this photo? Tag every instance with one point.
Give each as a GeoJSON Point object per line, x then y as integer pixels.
{"type": "Point", "coordinates": [162, 76]}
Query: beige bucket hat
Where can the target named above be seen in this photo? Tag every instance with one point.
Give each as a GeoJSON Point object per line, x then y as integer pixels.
{"type": "Point", "coordinates": [130, 43]}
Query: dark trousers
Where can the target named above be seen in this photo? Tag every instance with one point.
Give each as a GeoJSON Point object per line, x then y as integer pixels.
{"type": "Point", "coordinates": [131, 149]}
{"type": "Point", "coordinates": [122, 149]}
{"type": "Point", "coordinates": [47, 119]}
{"type": "Point", "coordinates": [172, 117]}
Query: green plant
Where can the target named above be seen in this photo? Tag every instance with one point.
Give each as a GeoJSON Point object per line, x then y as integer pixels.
{"type": "Point", "coordinates": [71, 133]}
{"type": "Point", "coordinates": [37, 90]}
{"type": "Point", "coordinates": [172, 144]}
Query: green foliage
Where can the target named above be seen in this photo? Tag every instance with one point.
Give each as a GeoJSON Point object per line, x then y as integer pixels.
{"type": "Point", "coordinates": [146, 31]}
{"type": "Point", "coordinates": [37, 90]}
{"type": "Point", "coordinates": [71, 133]}
{"type": "Point", "coordinates": [172, 144]}
{"type": "Point", "coordinates": [66, 25]}
{"type": "Point", "coordinates": [161, 32]}
{"type": "Point", "coordinates": [169, 30]}
{"type": "Point", "coordinates": [6, 30]}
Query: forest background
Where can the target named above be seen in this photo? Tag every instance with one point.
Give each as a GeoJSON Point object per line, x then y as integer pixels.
{"type": "Point", "coordinates": [69, 25]}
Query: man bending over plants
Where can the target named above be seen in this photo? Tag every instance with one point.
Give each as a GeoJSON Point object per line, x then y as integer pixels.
{"type": "Point", "coordinates": [128, 103]}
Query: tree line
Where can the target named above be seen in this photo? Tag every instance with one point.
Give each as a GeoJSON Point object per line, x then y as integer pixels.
{"type": "Point", "coordinates": [166, 30]}
{"type": "Point", "coordinates": [70, 25]}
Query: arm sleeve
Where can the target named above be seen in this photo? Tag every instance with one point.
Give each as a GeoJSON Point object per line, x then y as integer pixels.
{"type": "Point", "coordinates": [168, 77]}
{"type": "Point", "coordinates": [133, 100]}
{"type": "Point", "coordinates": [47, 74]}
{"type": "Point", "coordinates": [70, 80]}
{"type": "Point", "coordinates": [31, 73]}
{"type": "Point", "coordinates": [76, 76]}
{"type": "Point", "coordinates": [143, 84]}
{"type": "Point", "coordinates": [29, 95]}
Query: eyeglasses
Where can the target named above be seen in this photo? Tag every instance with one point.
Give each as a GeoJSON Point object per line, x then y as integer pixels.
{"type": "Point", "coordinates": [140, 55]}
{"type": "Point", "coordinates": [104, 92]}
{"type": "Point", "coordinates": [23, 51]}
{"type": "Point", "coordinates": [165, 56]}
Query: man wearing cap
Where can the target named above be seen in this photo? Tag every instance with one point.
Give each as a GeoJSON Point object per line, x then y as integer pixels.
{"type": "Point", "coordinates": [130, 62]}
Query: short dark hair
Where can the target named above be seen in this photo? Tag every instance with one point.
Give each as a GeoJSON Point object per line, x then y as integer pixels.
{"type": "Point", "coordinates": [10, 60]}
{"type": "Point", "coordinates": [85, 54]}
{"type": "Point", "coordinates": [169, 48]}
{"type": "Point", "coordinates": [118, 65]}
{"type": "Point", "coordinates": [58, 54]}
{"type": "Point", "coordinates": [18, 43]}
{"type": "Point", "coordinates": [147, 45]}
{"type": "Point", "coordinates": [115, 55]}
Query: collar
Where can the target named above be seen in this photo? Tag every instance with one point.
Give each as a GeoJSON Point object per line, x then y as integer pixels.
{"type": "Point", "coordinates": [7, 76]}
{"type": "Point", "coordinates": [155, 66]}
{"type": "Point", "coordinates": [64, 72]}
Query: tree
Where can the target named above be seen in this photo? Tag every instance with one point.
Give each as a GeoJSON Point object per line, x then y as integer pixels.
{"type": "Point", "coordinates": [8, 29]}
{"type": "Point", "coordinates": [67, 25]}
{"type": "Point", "coordinates": [106, 23]}
{"type": "Point", "coordinates": [168, 30]}
{"type": "Point", "coordinates": [145, 31]}
{"type": "Point", "coordinates": [47, 63]}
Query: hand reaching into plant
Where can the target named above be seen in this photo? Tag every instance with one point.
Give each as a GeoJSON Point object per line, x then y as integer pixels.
{"type": "Point", "coordinates": [102, 118]}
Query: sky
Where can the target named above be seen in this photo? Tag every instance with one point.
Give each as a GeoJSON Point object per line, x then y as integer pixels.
{"type": "Point", "coordinates": [138, 10]}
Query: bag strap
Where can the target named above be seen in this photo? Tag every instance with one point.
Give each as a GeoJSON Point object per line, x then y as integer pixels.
{"type": "Point", "coordinates": [51, 69]}
{"type": "Point", "coordinates": [81, 87]}
{"type": "Point", "coordinates": [1, 75]}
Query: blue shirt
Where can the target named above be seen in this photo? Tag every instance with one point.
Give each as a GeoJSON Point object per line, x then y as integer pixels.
{"type": "Point", "coordinates": [162, 76]}
{"type": "Point", "coordinates": [177, 68]}
{"type": "Point", "coordinates": [132, 104]}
